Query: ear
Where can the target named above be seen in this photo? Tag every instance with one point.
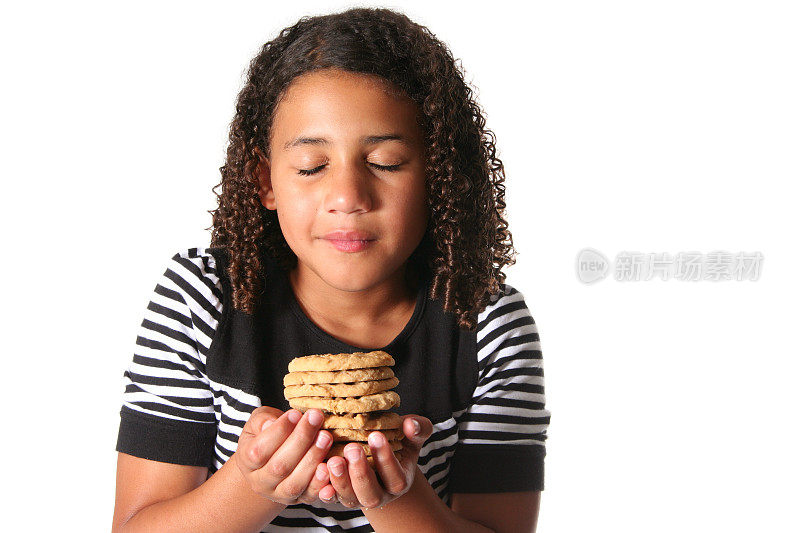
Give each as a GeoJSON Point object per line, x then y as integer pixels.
{"type": "Point", "coordinates": [265, 192]}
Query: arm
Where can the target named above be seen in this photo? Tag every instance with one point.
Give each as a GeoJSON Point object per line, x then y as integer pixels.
{"type": "Point", "coordinates": [497, 471]}
{"type": "Point", "coordinates": [155, 496]}
{"type": "Point", "coordinates": [420, 510]}
{"type": "Point", "coordinates": [277, 462]}
{"type": "Point", "coordinates": [168, 424]}
{"type": "Point", "coordinates": [404, 500]}
{"type": "Point", "coordinates": [505, 512]}
{"type": "Point", "coordinates": [500, 447]}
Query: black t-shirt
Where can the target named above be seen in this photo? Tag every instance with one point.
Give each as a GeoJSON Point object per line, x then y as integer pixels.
{"type": "Point", "coordinates": [200, 367]}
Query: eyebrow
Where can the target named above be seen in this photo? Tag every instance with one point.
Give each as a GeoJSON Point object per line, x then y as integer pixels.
{"type": "Point", "coordinates": [366, 140]}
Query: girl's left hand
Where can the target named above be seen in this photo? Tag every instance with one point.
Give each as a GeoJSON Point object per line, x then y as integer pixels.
{"type": "Point", "coordinates": [354, 482]}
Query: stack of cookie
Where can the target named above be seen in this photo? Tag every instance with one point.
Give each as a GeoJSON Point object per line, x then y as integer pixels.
{"type": "Point", "coordinates": [352, 391]}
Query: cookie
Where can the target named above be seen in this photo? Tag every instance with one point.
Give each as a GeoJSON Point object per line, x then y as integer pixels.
{"type": "Point", "coordinates": [366, 421]}
{"type": "Point", "coordinates": [341, 361]}
{"type": "Point", "coordinates": [340, 376]}
{"type": "Point", "coordinates": [364, 404]}
{"type": "Point", "coordinates": [337, 448]}
{"type": "Point", "coordinates": [362, 388]}
{"type": "Point", "coordinates": [361, 435]}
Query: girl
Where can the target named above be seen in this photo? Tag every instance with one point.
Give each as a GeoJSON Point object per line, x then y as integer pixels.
{"type": "Point", "coordinates": [361, 208]}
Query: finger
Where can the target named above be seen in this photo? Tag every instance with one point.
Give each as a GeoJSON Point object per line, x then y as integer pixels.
{"type": "Point", "coordinates": [388, 467]}
{"type": "Point", "coordinates": [362, 477]}
{"type": "Point", "coordinates": [259, 419]}
{"type": "Point", "coordinates": [290, 452]}
{"type": "Point", "coordinates": [301, 439]}
{"type": "Point", "coordinates": [328, 493]}
{"type": "Point", "coordinates": [340, 480]}
{"type": "Point", "coordinates": [258, 450]}
{"type": "Point", "coordinates": [260, 415]}
{"type": "Point", "coordinates": [297, 484]}
{"type": "Point", "coordinates": [417, 429]}
{"type": "Point", "coordinates": [319, 481]}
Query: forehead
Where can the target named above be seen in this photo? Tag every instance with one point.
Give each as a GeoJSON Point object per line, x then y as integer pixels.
{"type": "Point", "coordinates": [337, 103]}
{"type": "Point", "coordinates": [330, 77]}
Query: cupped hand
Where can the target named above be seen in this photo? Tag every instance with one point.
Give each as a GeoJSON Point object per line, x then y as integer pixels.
{"type": "Point", "coordinates": [281, 455]}
{"type": "Point", "coordinates": [355, 484]}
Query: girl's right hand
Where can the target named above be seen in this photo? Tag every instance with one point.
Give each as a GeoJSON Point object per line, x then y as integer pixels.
{"type": "Point", "coordinates": [281, 455]}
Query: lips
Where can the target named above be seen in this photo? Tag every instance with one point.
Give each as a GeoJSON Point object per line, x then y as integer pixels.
{"type": "Point", "coordinates": [350, 240]}
{"type": "Point", "coordinates": [350, 246]}
{"type": "Point", "coordinates": [349, 235]}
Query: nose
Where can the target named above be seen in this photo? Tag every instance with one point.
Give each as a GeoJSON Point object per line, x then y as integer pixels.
{"type": "Point", "coordinates": [349, 189]}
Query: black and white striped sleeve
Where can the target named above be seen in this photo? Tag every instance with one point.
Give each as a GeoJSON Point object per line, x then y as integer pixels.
{"type": "Point", "coordinates": [501, 442]}
{"type": "Point", "coordinates": [167, 410]}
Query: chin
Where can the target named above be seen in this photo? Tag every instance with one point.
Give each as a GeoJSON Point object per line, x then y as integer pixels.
{"type": "Point", "coordinates": [350, 282]}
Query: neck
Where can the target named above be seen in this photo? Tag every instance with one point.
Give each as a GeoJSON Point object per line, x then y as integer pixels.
{"type": "Point", "coordinates": [330, 307]}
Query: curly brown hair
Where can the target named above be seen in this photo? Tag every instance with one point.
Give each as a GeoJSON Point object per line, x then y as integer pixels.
{"type": "Point", "coordinates": [467, 241]}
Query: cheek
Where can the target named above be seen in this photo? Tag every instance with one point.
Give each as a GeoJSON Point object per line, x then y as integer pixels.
{"type": "Point", "coordinates": [296, 219]}
{"type": "Point", "coordinates": [293, 221]}
{"type": "Point", "coordinates": [416, 208]}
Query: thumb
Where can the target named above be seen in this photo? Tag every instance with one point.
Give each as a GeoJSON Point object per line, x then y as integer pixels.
{"type": "Point", "coordinates": [417, 429]}
{"type": "Point", "coordinates": [259, 417]}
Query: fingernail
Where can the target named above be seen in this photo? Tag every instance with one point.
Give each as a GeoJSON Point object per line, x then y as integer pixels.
{"type": "Point", "coordinates": [294, 416]}
{"type": "Point", "coordinates": [314, 417]}
{"type": "Point", "coordinates": [353, 454]}
{"type": "Point", "coordinates": [375, 440]}
{"type": "Point", "coordinates": [322, 440]}
{"type": "Point", "coordinates": [416, 426]}
{"type": "Point", "coordinates": [336, 467]}
{"type": "Point", "coordinates": [267, 424]}
{"type": "Point", "coordinates": [321, 474]}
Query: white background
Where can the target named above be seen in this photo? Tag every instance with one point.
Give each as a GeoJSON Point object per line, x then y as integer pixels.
{"type": "Point", "coordinates": [623, 126]}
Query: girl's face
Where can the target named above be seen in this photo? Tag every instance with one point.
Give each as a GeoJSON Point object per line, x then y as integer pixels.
{"type": "Point", "coordinates": [346, 156]}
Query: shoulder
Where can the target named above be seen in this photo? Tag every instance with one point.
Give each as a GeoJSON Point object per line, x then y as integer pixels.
{"type": "Point", "coordinates": [507, 295]}
{"type": "Point", "coordinates": [506, 322]}
{"type": "Point", "coordinates": [193, 274]}
{"type": "Point", "coordinates": [200, 262]}
{"type": "Point", "coordinates": [506, 306]}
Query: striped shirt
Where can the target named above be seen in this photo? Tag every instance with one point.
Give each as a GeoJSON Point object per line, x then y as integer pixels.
{"type": "Point", "coordinates": [200, 367]}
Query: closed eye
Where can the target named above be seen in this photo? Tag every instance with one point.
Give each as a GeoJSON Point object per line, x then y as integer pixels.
{"type": "Point", "coordinates": [387, 168]}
